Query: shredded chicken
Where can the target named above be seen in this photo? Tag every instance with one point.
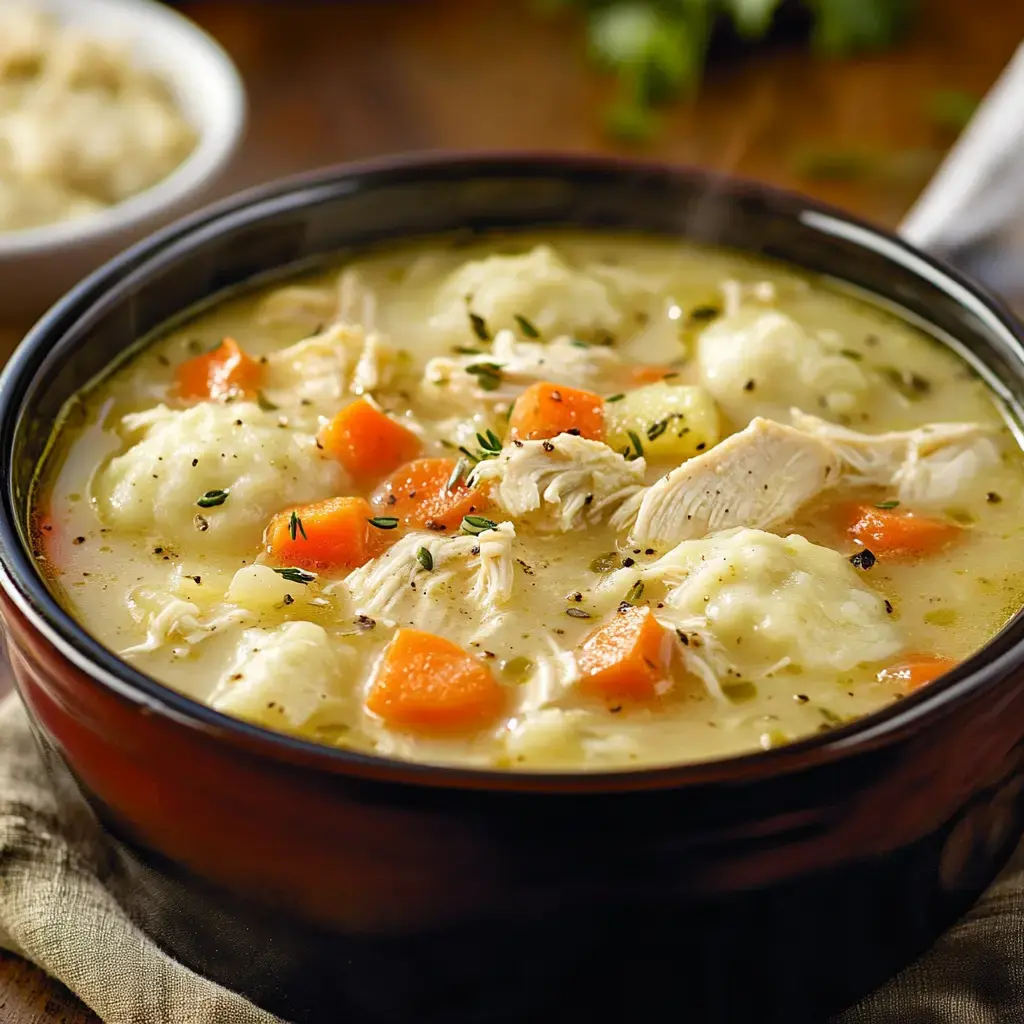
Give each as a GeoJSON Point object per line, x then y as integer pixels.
{"type": "Point", "coordinates": [470, 580]}
{"type": "Point", "coordinates": [566, 481]}
{"type": "Point", "coordinates": [352, 303]}
{"type": "Point", "coordinates": [512, 365]}
{"type": "Point", "coordinates": [757, 477]}
{"type": "Point", "coordinates": [167, 617]}
{"type": "Point", "coordinates": [928, 465]}
{"type": "Point", "coordinates": [344, 359]}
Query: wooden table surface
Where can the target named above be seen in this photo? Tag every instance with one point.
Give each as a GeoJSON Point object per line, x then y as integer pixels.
{"type": "Point", "coordinates": [335, 82]}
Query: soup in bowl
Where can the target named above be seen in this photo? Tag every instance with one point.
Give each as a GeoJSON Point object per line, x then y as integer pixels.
{"type": "Point", "coordinates": [409, 566]}
{"type": "Point", "coordinates": [557, 502]}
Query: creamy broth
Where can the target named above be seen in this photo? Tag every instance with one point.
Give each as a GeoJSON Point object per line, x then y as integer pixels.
{"type": "Point", "coordinates": [794, 400]}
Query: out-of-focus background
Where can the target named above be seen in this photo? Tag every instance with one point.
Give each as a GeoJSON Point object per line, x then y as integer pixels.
{"type": "Point", "coordinates": [338, 81]}
{"type": "Point", "coordinates": [852, 101]}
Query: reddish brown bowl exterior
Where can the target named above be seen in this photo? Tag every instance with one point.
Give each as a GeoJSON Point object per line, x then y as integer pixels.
{"type": "Point", "coordinates": [331, 886]}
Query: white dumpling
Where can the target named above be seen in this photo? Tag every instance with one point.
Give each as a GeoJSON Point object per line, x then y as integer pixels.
{"type": "Point", "coordinates": [760, 362]}
{"type": "Point", "coordinates": [286, 677]}
{"type": "Point", "coordinates": [760, 603]}
{"type": "Point", "coordinates": [153, 488]}
{"type": "Point", "coordinates": [561, 483]}
{"type": "Point", "coordinates": [538, 285]}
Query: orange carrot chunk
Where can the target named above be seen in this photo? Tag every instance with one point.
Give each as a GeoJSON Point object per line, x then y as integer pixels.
{"type": "Point", "coordinates": [626, 657]}
{"type": "Point", "coordinates": [917, 670]}
{"type": "Point", "coordinates": [368, 442]}
{"type": "Point", "coordinates": [331, 534]}
{"type": "Point", "coordinates": [427, 683]}
{"type": "Point", "coordinates": [900, 533]}
{"type": "Point", "coordinates": [545, 410]}
{"type": "Point", "coordinates": [425, 493]}
{"type": "Point", "coordinates": [224, 372]}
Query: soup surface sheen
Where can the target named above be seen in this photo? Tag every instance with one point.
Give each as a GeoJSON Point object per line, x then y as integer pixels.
{"type": "Point", "coordinates": [566, 503]}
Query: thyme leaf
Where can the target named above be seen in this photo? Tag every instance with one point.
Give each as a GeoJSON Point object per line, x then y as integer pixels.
{"type": "Point", "coordinates": [295, 527]}
{"type": "Point", "coordinates": [383, 522]}
{"type": "Point", "coordinates": [293, 574]}
{"type": "Point", "coordinates": [529, 331]}
{"type": "Point", "coordinates": [425, 558]}
{"type": "Point", "coordinates": [211, 499]}
{"type": "Point", "coordinates": [474, 525]}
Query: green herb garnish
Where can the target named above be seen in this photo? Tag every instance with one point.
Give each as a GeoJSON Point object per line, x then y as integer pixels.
{"type": "Point", "coordinates": [460, 468]}
{"type": "Point", "coordinates": [295, 527]}
{"type": "Point", "coordinates": [383, 522]}
{"type": "Point", "coordinates": [479, 325]}
{"type": "Point", "coordinates": [528, 330]}
{"type": "Point", "coordinates": [474, 525]}
{"type": "Point", "coordinates": [489, 442]}
{"type": "Point", "coordinates": [211, 499]}
{"type": "Point", "coordinates": [850, 353]}
{"type": "Point", "coordinates": [265, 403]}
{"type": "Point", "coordinates": [605, 563]}
{"type": "Point", "coordinates": [701, 314]}
{"type": "Point", "coordinates": [488, 375]}
{"type": "Point", "coordinates": [425, 558]}
{"type": "Point", "coordinates": [635, 592]}
{"type": "Point", "coordinates": [637, 450]}
{"type": "Point", "coordinates": [615, 398]}
{"type": "Point", "coordinates": [888, 504]}
{"type": "Point", "coordinates": [293, 574]}
{"type": "Point", "coordinates": [909, 384]}
{"type": "Point", "coordinates": [655, 430]}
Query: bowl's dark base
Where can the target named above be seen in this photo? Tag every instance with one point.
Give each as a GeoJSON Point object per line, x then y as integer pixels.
{"type": "Point", "coordinates": [789, 954]}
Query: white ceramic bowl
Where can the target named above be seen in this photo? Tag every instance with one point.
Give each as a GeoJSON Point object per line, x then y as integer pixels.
{"type": "Point", "coordinates": [38, 265]}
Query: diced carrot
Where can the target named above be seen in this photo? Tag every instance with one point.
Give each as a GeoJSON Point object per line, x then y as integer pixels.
{"type": "Point", "coordinates": [368, 442]}
{"type": "Point", "coordinates": [428, 683]}
{"type": "Point", "coordinates": [331, 534]}
{"type": "Point", "coordinates": [626, 657]}
{"type": "Point", "coordinates": [225, 371]}
{"type": "Point", "coordinates": [884, 531]}
{"type": "Point", "coordinates": [544, 410]}
{"type": "Point", "coordinates": [651, 374]}
{"type": "Point", "coordinates": [917, 670]}
{"type": "Point", "coordinates": [423, 494]}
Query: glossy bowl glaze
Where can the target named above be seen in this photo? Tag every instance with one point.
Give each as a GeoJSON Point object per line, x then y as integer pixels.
{"type": "Point", "coordinates": [334, 886]}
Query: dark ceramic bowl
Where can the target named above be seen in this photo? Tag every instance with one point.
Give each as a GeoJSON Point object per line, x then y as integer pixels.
{"type": "Point", "coordinates": [331, 886]}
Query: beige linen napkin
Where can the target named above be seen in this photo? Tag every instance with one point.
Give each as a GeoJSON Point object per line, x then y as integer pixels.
{"type": "Point", "coordinates": [55, 912]}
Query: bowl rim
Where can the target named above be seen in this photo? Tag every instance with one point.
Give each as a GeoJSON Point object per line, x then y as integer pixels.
{"type": "Point", "coordinates": [26, 588]}
{"type": "Point", "coordinates": [212, 152]}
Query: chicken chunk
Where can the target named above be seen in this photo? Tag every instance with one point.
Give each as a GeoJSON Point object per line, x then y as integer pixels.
{"type": "Point", "coordinates": [929, 465]}
{"type": "Point", "coordinates": [757, 478]}
{"type": "Point", "coordinates": [560, 483]}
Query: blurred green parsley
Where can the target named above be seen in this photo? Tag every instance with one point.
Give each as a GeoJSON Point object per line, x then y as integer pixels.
{"type": "Point", "coordinates": [657, 48]}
